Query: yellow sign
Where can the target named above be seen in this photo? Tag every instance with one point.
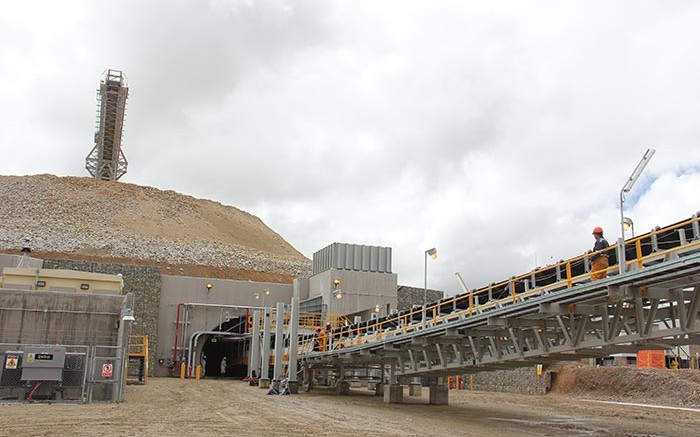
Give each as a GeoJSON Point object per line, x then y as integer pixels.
{"type": "Point", "coordinates": [11, 362]}
{"type": "Point", "coordinates": [30, 358]}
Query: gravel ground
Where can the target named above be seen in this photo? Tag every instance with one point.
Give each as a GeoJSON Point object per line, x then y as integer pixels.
{"type": "Point", "coordinates": [168, 406]}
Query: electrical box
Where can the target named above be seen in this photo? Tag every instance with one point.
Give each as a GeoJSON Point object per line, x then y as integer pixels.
{"type": "Point", "coordinates": [43, 363]}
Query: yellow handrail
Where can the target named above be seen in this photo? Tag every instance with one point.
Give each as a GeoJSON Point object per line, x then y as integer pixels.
{"type": "Point", "coordinates": [568, 282]}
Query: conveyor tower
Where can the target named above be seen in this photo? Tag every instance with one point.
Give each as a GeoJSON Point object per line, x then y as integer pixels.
{"type": "Point", "coordinates": [106, 161]}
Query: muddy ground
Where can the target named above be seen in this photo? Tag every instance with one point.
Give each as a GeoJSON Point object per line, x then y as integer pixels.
{"type": "Point", "coordinates": [170, 407]}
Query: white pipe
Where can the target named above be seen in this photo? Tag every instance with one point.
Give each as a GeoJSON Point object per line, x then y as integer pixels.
{"type": "Point", "coordinates": [192, 355]}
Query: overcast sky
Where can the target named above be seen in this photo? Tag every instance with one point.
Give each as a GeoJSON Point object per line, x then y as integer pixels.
{"type": "Point", "coordinates": [499, 132]}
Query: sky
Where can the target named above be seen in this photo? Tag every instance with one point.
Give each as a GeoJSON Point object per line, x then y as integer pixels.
{"type": "Point", "coordinates": [498, 132]}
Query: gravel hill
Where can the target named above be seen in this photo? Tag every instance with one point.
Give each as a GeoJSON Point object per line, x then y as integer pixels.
{"type": "Point", "coordinates": [88, 218]}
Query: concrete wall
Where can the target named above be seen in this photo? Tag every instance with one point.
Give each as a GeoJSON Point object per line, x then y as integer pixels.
{"type": "Point", "coordinates": [43, 317]}
{"type": "Point", "coordinates": [177, 289]}
{"type": "Point", "coordinates": [360, 290]}
{"type": "Point", "coordinates": [143, 282]}
{"type": "Point", "coordinates": [409, 296]}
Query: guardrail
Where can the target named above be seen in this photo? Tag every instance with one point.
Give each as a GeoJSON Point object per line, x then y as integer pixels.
{"type": "Point", "coordinates": [306, 320]}
{"type": "Point", "coordinates": [640, 251]}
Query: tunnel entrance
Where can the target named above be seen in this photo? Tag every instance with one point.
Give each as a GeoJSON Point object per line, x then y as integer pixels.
{"type": "Point", "coordinates": [231, 348]}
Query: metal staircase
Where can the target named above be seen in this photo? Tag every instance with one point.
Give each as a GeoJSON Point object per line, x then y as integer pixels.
{"type": "Point", "coordinates": [137, 364]}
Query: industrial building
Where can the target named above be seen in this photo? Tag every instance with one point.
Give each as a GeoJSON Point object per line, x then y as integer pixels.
{"type": "Point", "coordinates": [344, 320]}
{"type": "Point", "coordinates": [63, 334]}
{"type": "Point", "coordinates": [188, 318]}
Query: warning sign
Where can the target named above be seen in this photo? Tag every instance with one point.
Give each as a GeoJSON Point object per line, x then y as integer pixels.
{"type": "Point", "coordinates": [11, 361]}
{"type": "Point", "coordinates": [106, 370]}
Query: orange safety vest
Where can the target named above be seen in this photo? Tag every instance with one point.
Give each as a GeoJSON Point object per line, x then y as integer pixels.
{"type": "Point", "coordinates": [322, 340]}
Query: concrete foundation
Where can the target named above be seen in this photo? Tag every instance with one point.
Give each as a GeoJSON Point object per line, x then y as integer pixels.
{"type": "Point", "coordinates": [415, 389]}
{"type": "Point", "coordinates": [343, 388]}
{"type": "Point", "coordinates": [394, 394]}
{"type": "Point", "coordinates": [439, 394]}
{"type": "Point", "coordinates": [264, 383]}
{"type": "Point", "coordinates": [378, 388]}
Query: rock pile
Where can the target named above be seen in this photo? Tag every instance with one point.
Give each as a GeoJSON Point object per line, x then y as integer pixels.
{"type": "Point", "coordinates": [113, 219]}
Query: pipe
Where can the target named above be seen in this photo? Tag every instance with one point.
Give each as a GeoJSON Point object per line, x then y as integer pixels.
{"type": "Point", "coordinates": [184, 335]}
{"type": "Point", "coordinates": [194, 338]}
{"type": "Point", "coordinates": [185, 305]}
{"type": "Point", "coordinates": [177, 330]}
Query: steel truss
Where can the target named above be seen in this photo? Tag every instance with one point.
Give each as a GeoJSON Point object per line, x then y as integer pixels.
{"type": "Point", "coordinates": [652, 308]}
{"type": "Point", "coordinates": [106, 160]}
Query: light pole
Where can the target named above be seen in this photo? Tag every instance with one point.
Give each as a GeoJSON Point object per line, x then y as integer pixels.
{"type": "Point", "coordinates": [433, 254]}
{"type": "Point", "coordinates": [627, 224]}
{"type": "Point", "coordinates": [626, 189]}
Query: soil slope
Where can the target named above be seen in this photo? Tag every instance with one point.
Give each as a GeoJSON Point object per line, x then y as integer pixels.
{"type": "Point", "coordinates": [89, 219]}
{"type": "Point", "coordinates": [630, 384]}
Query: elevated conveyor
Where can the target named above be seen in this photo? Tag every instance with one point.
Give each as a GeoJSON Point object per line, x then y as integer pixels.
{"type": "Point", "coordinates": [106, 160]}
{"type": "Point", "coordinates": [551, 314]}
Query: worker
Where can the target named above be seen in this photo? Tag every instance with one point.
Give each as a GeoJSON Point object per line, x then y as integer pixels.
{"type": "Point", "coordinates": [203, 363]}
{"type": "Point", "coordinates": [599, 260]}
{"type": "Point", "coordinates": [321, 335]}
{"type": "Point", "coordinates": [223, 366]}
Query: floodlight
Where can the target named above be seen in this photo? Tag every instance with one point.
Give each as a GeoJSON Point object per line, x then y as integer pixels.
{"type": "Point", "coordinates": [627, 223]}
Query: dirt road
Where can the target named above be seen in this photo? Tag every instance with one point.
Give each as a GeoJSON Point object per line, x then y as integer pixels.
{"type": "Point", "coordinates": [170, 407]}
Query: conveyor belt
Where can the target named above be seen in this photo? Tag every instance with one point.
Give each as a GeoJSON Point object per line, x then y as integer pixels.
{"type": "Point", "coordinates": [534, 319]}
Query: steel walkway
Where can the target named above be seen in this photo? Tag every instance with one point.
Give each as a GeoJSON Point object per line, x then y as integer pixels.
{"type": "Point", "coordinates": [547, 315]}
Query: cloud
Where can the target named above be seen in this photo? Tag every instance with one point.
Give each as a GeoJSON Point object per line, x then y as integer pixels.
{"type": "Point", "coordinates": [500, 134]}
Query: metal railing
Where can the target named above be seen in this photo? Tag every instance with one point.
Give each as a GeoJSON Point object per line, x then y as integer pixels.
{"type": "Point", "coordinates": [647, 249]}
{"type": "Point", "coordinates": [306, 320]}
{"type": "Point", "coordinates": [89, 373]}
